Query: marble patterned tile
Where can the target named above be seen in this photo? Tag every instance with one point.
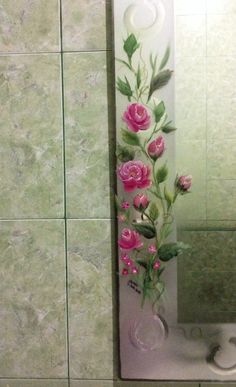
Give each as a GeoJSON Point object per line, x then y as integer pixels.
{"type": "Point", "coordinates": [80, 25]}
{"type": "Point", "coordinates": [92, 383]}
{"type": "Point", "coordinates": [32, 304]}
{"type": "Point", "coordinates": [221, 126]}
{"type": "Point", "coordinates": [221, 159]}
{"type": "Point", "coordinates": [221, 75]}
{"type": "Point", "coordinates": [90, 299]}
{"type": "Point", "coordinates": [190, 35]}
{"type": "Point", "coordinates": [191, 160]}
{"type": "Point", "coordinates": [186, 7]}
{"type": "Point", "coordinates": [33, 383]}
{"type": "Point", "coordinates": [206, 297]}
{"type": "Point", "coordinates": [29, 26]}
{"type": "Point", "coordinates": [31, 137]}
{"type": "Point", "coordinates": [218, 384]}
{"type": "Point", "coordinates": [87, 153]}
{"type": "Point", "coordinates": [190, 118]}
{"type": "Point", "coordinates": [221, 33]}
{"type": "Point", "coordinates": [190, 78]}
{"type": "Point", "coordinates": [221, 196]}
{"type": "Point", "coordinates": [221, 6]}
{"type": "Point", "coordinates": [154, 384]}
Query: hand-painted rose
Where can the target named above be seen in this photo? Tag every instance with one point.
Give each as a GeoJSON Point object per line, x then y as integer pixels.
{"type": "Point", "coordinates": [130, 240]}
{"type": "Point", "coordinates": [136, 117]}
{"type": "Point", "coordinates": [134, 174]}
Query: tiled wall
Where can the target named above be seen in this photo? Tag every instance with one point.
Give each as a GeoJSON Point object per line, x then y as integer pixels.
{"type": "Point", "coordinates": [56, 325]}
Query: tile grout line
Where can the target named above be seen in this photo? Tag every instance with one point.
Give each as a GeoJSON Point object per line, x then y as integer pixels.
{"type": "Point", "coordinates": [65, 196]}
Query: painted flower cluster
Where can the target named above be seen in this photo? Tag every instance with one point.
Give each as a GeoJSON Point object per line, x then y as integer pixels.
{"type": "Point", "coordinates": [145, 208]}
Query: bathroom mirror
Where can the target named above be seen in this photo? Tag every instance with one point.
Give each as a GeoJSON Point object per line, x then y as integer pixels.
{"type": "Point", "coordinates": [190, 333]}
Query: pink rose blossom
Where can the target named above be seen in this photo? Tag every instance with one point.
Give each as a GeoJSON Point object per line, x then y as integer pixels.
{"type": "Point", "coordinates": [184, 183]}
{"type": "Point", "coordinates": [125, 205]}
{"type": "Point", "coordinates": [152, 249]}
{"type": "Point", "coordinates": [157, 265]}
{"type": "Point", "coordinates": [125, 272]}
{"type": "Point", "coordinates": [130, 240]}
{"type": "Point", "coordinates": [136, 117]}
{"type": "Point", "coordinates": [134, 174]}
{"type": "Point", "coordinates": [156, 148]}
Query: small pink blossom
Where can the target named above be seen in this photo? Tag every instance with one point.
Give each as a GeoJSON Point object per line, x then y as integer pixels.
{"type": "Point", "coordinates": [134, 270]}
{"type": "Point", "coordinates": [129, 262]}
{"type": "Point", "coordinates": [184, 183]}
{"type": "Point", "coordinates": [156, 265]}
{"type": "Point", "coordinates": [152, 249]}
{"type": "Point", "coordinates": [156, 148]}
{"type": "Point", "coordinates": [130, 240]}
{"type": "Point", "coordinates": [125, 272]}
{"type": "Point", "coordinates": [121, 218]}
{"type": "Point", "coordinates": [136, 117]}
{"type": "Point", "coordinates": [124, 257]}
{"type": "Point", "coordinates": [134, 174]}
{"type": "Point", "coordinates": [125, 205]}
{"type": "Point", "coordinates": [141, 202]}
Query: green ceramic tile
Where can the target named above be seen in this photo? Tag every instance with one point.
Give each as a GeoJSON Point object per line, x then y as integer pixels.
{"type": "Point", "coordinates": [218, 384]}
{"type": "Point", "coordinates": [32, 304]}
{"type": "Point", "coordinates": [207, 297]}
{"type": "Point", "coordinates": [190, 119]}
{"type": "Point", "coordinates": [221, 6]}
{"type": "Point", "coordinates": [191, 159]}
{"type": "Point", "coordinates": [221, 195]}
{"type": "Point", "coordinates": [221, 159]}
{"type": "Point", "coordinates": [31, 137]}
{"type": "Point", "coordinates": [221, 31]}
{"type": "Point", "coordinates": [90, 299]}
{"type": "Point", "coordinates": [191, 35]}
{"type": "Point", "coordinates": [84, 25]}
{"type": "Point", "coordinates": [29, 26]}
{"type": "Point", "coordinates": [87, 156]}
{"type": "Point", "coordinates": [185, 7]}
{"type": "Point", "coordinates": [154, 384]}
{"type": "Point", "coordinates": [221, 75]}
{"type": "Point", "coordinates": [221, 126]}
{"type": "Point", "coordinates": [92, 383]}
{"type": "Point", "coordinates": [33, 383]}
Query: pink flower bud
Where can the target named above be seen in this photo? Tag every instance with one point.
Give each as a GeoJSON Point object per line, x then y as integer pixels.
{"type": "Point", "coordinates": [125, 205]}
{"type": "Point", "coordinates": [184, 183]}
{"type": "Point", "coordinates": [156, 265]}
{"type": "Point", "coordinates": [156, 148]}
{"type": "Point", "coordinates": [125, 272]}
{"type": "Point", "coordinates": [124, 257]}
{"type": "Point", "coordinates": [134, 270]}
{"type": "Point", "coordinates": [129, 262]}
{"type": "Point", "coordinates": [141, 202]}
{"type": "Point", "coordinates": [121, 218]}
{"type": "Point", "coordinates": [152, 249]}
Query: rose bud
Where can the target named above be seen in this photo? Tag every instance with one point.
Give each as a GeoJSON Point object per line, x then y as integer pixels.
{"type": "Point", "coordinates": [125, 272]}
{"type": "Point", "coordinates": [125, 205]}
{"type": "Point", "coordinates": [140, 202]}
{"type": "Point", "coordinates": [184, 183]}
{"type": "Point", "coordinates": [156, 148]}
{"type": "Point", "coordinates": [156, 265]}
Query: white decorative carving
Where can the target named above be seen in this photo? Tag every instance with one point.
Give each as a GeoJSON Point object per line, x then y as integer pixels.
{"type": "Point", "coordinates": [145, 17]}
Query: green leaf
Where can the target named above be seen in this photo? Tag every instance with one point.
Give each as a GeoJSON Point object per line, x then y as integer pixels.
{"type": "Point", "coordinates": [138, 77]}
{"type": "Point", "coordinates": [168, 129]}
{"type": "Point", "coordinates": [124, 87]}
{"type": "Point", "coordinates": [124, 63]}
{"type": "Point", "coordinates": [131, 45]}
{"type": "Point", "coordinates": [171, 250]}
{"type": "Point", "coordinates": [145, 229]}
{"type": "Point", "coordinates": [165, 231]}
{"type": "Point", "coordinates": [153, 62]}
{"type": "Point", "coordinates": [124, 153]}
{"type": "Point", "coordinates": [169, 197]}
{"type": "Point", "coordinates": [142, 263]}
{"type": "Point", "coordinates": [159, 81]}
{"type": "Point", "coordinates": [165, 58]}
{"type": "Point", "coordinates": [162, 174]}
{"type": "Point", "coordinates": [159, 111]}
{"type": "Point", "coordinates": [153, 211]}
{"type": "Point", "coordinates": [129, 138]}
{"type": "Point", "coordinates": [160, 271]}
